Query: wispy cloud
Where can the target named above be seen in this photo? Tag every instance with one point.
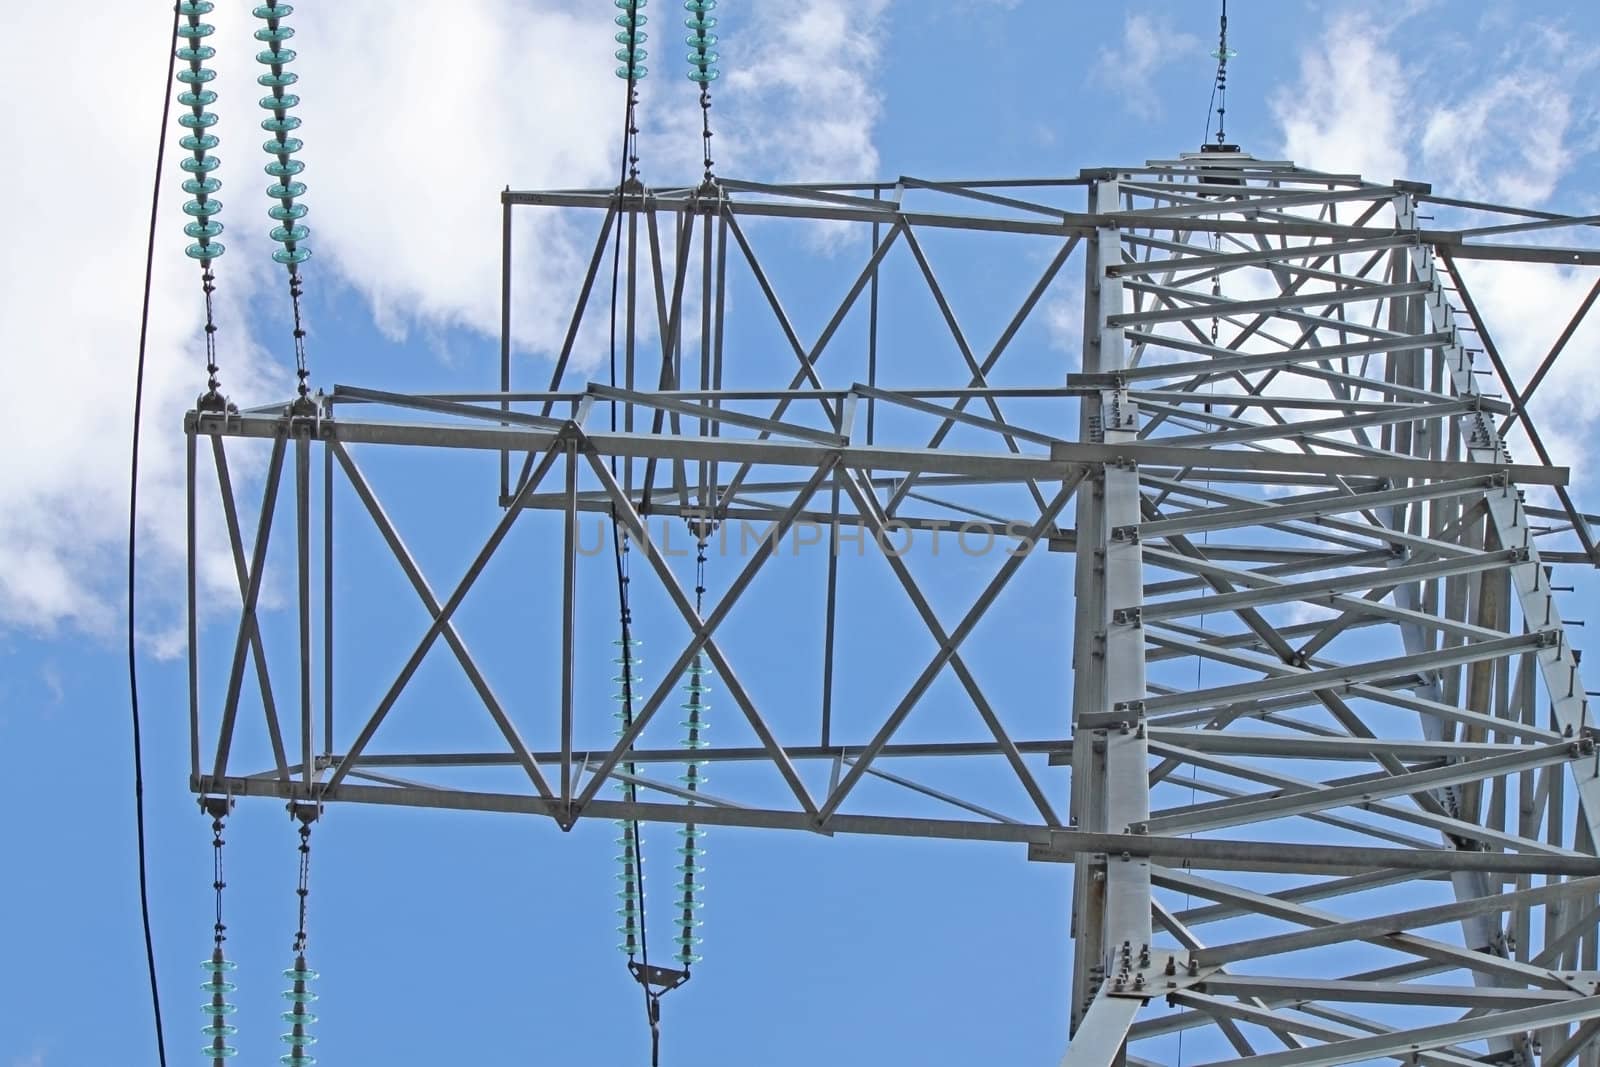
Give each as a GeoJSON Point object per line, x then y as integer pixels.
{"type": "Point", "coordinates": [804, 102]}
{"type": "Point", "coordinates": [1346, 112]}
{"type": "Point", "coordinates": [406, 182]}
{"type": "Point", "coordinates": [1509, 129]}
{"type": "Point", "coordinates": [1506, 127]}
{"type": "Point", "coordinates": [1147, 44]}
{"type": "Point", "coordinates": [1514, 132]}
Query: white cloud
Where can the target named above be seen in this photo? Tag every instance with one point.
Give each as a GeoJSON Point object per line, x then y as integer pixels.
{"type": "Point", "coordinates": [73, 264]}
{"type": "Point", "coordinates": [1346, 113]}
{"type": "Point", "coordinates": [1062, 308]}
{"type": "Point", "coordinates": [405, 152]}
{"type": "Point", "coordinates": [406, 172]}
{"type": "Point", "coordinates": [805, 106]}
{"type": "Point", "coordinates": [1506, 128]}
{"type": "Point", "coordinates": [1514, 119]}
{"type": "Point", "coordinates": [405, 164]}
{"type": "Point", "coordinates": [1147, 44]}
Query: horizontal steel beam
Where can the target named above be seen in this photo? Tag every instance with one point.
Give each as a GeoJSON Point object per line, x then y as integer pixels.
{"type": "Point", "coordinates": [1293, 990]}
{"type": "Point", "coordinates": [929, 750]}
{"type": "Point", "coordinates": [1395, 923]}
{"type": "Point", "coordinates": [1209, 306]}
{"type": "Point", "coordinates": [1064, 460]}
{"type": "Point", "coordinates": [1046, 844]}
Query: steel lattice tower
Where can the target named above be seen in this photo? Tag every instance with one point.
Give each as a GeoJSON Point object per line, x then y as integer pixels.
{"type": "Point", "coordinates": [1325, 778]}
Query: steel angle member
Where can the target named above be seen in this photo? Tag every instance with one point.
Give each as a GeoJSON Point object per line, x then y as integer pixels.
{"type": "Point", "coordinates": [1222, 854]}
{"type": "Point", "coordinates": [1199, 460]}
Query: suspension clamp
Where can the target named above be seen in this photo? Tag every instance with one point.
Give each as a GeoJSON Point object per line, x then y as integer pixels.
{"type": "Point", "coordinates": [306, 811]}
{"type": "Point", "coordinates": [217, 807]}
{"type": "Point", "coordinates": [659, 979]}
{"type": "Point", "coordinates": [215, 402]}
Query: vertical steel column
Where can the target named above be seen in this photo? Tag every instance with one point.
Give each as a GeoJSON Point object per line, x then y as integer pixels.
{"type": "Point", "coordinates": [630, 334]}
{"type": "Point", "coordinates": [1462, 597]}
{"type": "Point", "coordinates": [505, 335]}
{"type": "Point", "coordinates": [569, 619]}
{"type": "Point", "coordinates": [327, 599]}
{"type": "Point", "coordinates": [190, 444]}
{"type": "Point", "coordinates": [1088, 893]}
{"type": "Point", "coordinates": [719, 319]}
{"type": "Point", "coordinates": [1111, 786]}
{"type": "Point", "coordinates": [302, 526]}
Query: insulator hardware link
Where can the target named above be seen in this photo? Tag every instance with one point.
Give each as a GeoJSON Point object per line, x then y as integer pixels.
{"type": "Point", "coordinates": [701, 69]}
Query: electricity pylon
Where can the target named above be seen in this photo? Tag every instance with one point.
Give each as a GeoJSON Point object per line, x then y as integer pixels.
{"type": "Point", "coordinates": [1325, 780]}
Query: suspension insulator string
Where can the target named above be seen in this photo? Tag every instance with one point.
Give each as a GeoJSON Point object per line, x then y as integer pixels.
{"type": "Point", "coordinates": [203, 227]}
{"type": "Point", "coordinates": [286, 189]}
{"type": "Point", "coordinates": [691, 866]}
{"type": "Point", "coordinates": [635, 942]}
{"type": "Point", "coordinates": [217, 986]}
{"type": "Point", "coordinates": [631, 37]}
{"type": "Point", "coordinates": [299, 1016]}
{"type": "Point", "coordinates": [701, 65]}
{"type": "Point", "coordinates": [628, 660]}
{"type": "Point", "coordinates": [632, 56]}
{"type": "Point", "coordinates": [1219, 92]}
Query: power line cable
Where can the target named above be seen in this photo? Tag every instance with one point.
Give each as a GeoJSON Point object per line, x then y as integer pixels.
{"type": "Point", "coordinates": [133, 548]}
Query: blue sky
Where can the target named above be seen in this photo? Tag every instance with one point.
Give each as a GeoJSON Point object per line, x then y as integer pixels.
{"type": "Point", "coordinates": [488, 939]}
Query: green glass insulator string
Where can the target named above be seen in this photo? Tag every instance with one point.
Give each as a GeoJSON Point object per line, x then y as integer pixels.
{"type": "Point", "coordinates": [197, 138]}
{"type": "Point", "coordinates": [691, 868]}
{"type": "Point", "coordinates": [299, 1016]}
{"type": "Point", "coordinates": [702, 60]}
{"type": "Point", "coordinates": [631, 37]}
{"type": "Point", "coordinates": [203, 228]}
{"type": "Point", "coordinates": [286, 189]}
{"type": "Point", "coordinates": [631, 875]}
{"type": "Point", "coordinates": [281, 124]}
{"type": "Point", "coordinates": [217, 1008]}
{"type": "Point", "coordinates": [299, 995]}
